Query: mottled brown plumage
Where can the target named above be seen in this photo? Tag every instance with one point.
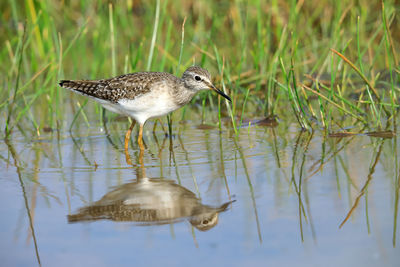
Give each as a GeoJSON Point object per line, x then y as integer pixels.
{"type": "Point", "coordinates": [127, 86]}
{"type": "Point", "coordinates": [115, 212]}
{"type": "Point", "coordinates": [150, 201]}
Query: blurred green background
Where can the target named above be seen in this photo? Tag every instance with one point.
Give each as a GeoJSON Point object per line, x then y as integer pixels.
{"type": "Point", "coordinates": [269, 55]}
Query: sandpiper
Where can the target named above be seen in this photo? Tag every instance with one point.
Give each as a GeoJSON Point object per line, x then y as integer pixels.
{"type": "Point", "coordinates": [144, 95]}
{"type": "Point", "coordinates": [151, 201]}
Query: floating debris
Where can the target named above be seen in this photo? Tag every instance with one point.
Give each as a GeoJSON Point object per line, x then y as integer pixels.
{"type": "Point", "coordinates": [47, 129]}
{"type": "Point", "coordinates": [381, 134]}
{"type": "Point", "coordinates": [271, 121]}
{"type": "Point", "coordinates": [205, 127]}
{"type": "Point", "coordinates": [342, 134]}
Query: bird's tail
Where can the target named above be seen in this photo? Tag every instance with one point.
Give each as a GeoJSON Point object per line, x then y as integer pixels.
{"type": "Point", "coordinates": [86, 214]}
{"type": "Point", "coordinates": [96, 89]}
{"type": "Point", "coordinates": [78, 218]}
{"type": "Point", "coordinates": [81, 86]}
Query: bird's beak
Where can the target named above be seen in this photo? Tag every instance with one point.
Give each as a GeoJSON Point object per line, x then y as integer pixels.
{"type": "Point", "coordinates": [212, 87]}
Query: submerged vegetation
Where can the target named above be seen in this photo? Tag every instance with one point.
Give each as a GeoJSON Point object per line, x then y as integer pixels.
{"type": "Point", "coordinates": [328, 65]}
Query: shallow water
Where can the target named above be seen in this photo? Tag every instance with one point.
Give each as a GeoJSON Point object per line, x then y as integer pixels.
{"type": "Point", "coordinates": [289, 191]}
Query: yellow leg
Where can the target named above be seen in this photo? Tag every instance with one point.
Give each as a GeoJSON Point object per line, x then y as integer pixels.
{"type": "Point", "coordinates": [128, 135]}
{"type": "Point", "coordinates": [128, 158]}
{"type": "Point", "coordinates": [140, 138]}
{"type": "Point", "coordinates": [141, 170]}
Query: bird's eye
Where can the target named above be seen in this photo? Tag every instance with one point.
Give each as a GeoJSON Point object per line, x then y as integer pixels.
{"type": "Point", "coordinates": [197, 78]}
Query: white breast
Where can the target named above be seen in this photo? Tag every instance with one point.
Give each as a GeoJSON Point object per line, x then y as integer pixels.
{"type": "Point", "coordinates": [156, 103]}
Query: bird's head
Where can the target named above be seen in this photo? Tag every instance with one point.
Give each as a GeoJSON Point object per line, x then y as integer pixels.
{"type": "Point", "coordinates": [196, 78]}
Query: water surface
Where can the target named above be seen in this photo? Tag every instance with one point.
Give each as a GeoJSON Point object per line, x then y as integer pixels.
{"type": "Point", "coordinates": [273, 196]}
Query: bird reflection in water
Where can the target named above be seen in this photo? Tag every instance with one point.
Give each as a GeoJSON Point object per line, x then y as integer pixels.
{"type": "Point", "coordinates": [151, 201]}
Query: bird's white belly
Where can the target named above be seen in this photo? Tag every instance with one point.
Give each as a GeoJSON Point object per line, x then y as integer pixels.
{"type": "Point", "coordinates": [111, 106]}
{"type": "Point", "coordinates": [150, 105]}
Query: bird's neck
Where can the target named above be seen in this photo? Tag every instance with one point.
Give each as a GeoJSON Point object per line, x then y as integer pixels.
{"type": "Point", "coordinates": [183, 94]}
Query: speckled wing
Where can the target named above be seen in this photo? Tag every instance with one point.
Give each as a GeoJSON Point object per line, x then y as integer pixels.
{"type": "Point", "coordinates": [127, 86]}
